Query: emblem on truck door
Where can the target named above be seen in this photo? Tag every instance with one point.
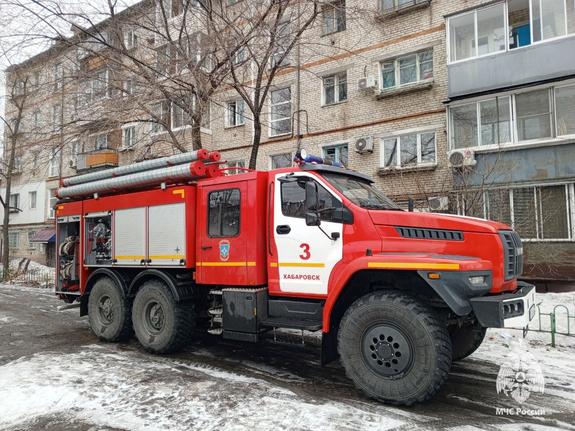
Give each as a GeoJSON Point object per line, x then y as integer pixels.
{"type": "Point", "coordinates": [224, 250]}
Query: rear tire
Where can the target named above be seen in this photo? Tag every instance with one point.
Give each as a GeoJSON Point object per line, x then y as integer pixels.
{"type": "Point", "coordinates": [466, 340]}
{"type": "Point", "coordinates": [109, 311]}
{"type": "Point", "coordinates": [161, 324]}
{"type": "Point", "coordinates": [394, 348]}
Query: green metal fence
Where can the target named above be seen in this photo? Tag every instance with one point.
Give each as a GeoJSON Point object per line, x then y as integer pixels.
{"type": "Point", "coordinates": [559, 321]}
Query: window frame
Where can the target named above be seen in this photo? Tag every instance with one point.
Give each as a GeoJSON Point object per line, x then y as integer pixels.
{"type": "Point", "coordinates": [337, 76]}
{"type": "Point", "coordinates": [54, 165]}
{"type": "Point", "coordinates": [397, 70]}
{"type": "Point", "coordinates": [33, 200]}
{"type": "Point", "coordinates": [507, 31]}
{"type": "Point", "coordinates": [419, 164]}
{"type": "Point", "coordinates": [14, 202]}
{"type": "Point", "coordinates": [280, 154]}
{"type": "Point", "coordinates": [536, 188]}
{"type": "Point", "coordinates": [337, 147]}
{"type": "Point", "coordinates": [333, 7]}
{"type": "Point", "coordinates": [125, 128]}
{"type": "Point", "coordinates": [236, 114]}
{"type": "Point", "coordinates": [238, 233]}
{"type": "Point", "coordinates": [13, 239]}
{"type": "Point", "coordinates": [272, 105]}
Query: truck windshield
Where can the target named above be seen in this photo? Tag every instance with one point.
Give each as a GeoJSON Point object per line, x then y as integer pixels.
{"type": "Point", "coordinates": [361, 192]}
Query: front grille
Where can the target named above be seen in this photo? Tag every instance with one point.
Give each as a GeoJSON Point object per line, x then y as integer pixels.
{"type": "Point", "coordinates": [419, 233]}
{"type": "Point", "coordinates": [513, 250]}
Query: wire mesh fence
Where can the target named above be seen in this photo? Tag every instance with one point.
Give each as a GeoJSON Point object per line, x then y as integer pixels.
{"type": "Point", "coordinates": [32, 276]}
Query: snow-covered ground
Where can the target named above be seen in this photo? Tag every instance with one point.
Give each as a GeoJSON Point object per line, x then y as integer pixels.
{"type": "Point", "coordinates": [55, 375]}
{"type": "Point", "coordinates": [35, 273]}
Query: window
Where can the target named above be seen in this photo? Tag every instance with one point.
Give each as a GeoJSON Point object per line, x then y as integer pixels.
{"type": "Point", "coordinates": [129, 137]}
{"type": "Point", "coordinates": [336, 153]}
{"type": "Point", "coordinates": [235, 164]}
{"type": "Point", "coordinates": [409, 150]}
{"type": "Point", "coordinates": [533, 115]}
{"type": "Point", "coordinates": [180, 118]}
{"type": "Point", "coordinates": [52, 203]}
{"type": "Point", "coordinates": [235, 113]}
{"type": "Point", "coordinates": [58, 76]}
{"type": "Point", "coordinates": [100, 88]}
{"type": "Point", "coordinates": [32, 199]}
{"type": "Point", "coordinates": [406, 70]}
{"type": "Point", "coordinates": [161, 116]}
{"type": "Point", "coordinates": [130, 39]}
{"type": "Point", "coordinates": [537, 213]}
{"type": "Point", "coordinates": [31, 236]}
{"type": "Point", "coordinates": [333, 15]}
{"type": "Point", "coordinates": [36, 119]}
{"type": "Point", "coordinates": [101, 141]}
{"type": "Point", "coordinates": [56, 118]}
{"type": "Point", "coordinates": [54, 164]}
{"type": "Point", "coordinates": [335, 88]}
{"type": "Point", "coordinates": [18, 165]}
{"type": "Point", "coordinates": [14, 202]}
{"type": "Point", "coordinates": [293, 201]}
{"type": "Point", "coordinates": [487, 30]}
{"type": "Point", "coordinates": [128, 87]}
{"type": "Point", "coordinates": [281, 45]}
{"type": "Point", "coordinates": [36, 79]}
{"type": "Point", "coordinates": [281, 112]}
{"type": "Point", "coordinates": [239, 56]}
{"type": "Point", "coordinates": [483, 123]}
{"type": "Point", "coordinates": [76, 148]}
{"type": "Point", "coordinates": [224, 213]}
{"type": "Point", "coordinates": [565, 103]}
{"type": "Point", "coordinates": [281, 161]}
{"type": "Point", "coordinates": [13, 239]}
{"type": "Point", "coordinates": [390, 6]}
{"type": "Point", "coordinates": [163, 61]}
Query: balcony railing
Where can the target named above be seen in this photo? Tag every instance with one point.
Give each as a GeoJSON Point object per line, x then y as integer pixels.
{"type": "Point", "coordinates": [97, 159]}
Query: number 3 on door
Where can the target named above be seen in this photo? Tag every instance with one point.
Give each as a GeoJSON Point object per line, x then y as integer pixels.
{"type": "Point", "coordinates": [306, 254]}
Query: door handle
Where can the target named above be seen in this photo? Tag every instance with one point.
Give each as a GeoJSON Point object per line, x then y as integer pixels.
{"type": "Point", "coordinates": [283, 229]}
{"type": "Point", "coordinates": [207, 247]}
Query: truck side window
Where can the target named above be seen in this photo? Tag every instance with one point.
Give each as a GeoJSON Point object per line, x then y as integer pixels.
{"type": "Point", "coordinates": [293, 202]}
{"type": "Point", "coordinates": [224, 213]}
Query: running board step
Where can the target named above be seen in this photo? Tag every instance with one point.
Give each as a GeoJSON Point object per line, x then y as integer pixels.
{"type": "Point", "coordinates": [215, 331]}
{"type": "Point", "coordinates": [282, 322]}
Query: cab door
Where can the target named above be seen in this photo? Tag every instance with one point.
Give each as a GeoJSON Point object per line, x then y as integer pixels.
{"type": "Point", "coordinates": [222, 237]}
{"type": "Point", "coordinates": [306, 255]}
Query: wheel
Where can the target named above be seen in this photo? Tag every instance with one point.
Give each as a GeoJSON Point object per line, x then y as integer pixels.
{"type": "Point", "coordinates": [466, 340]}
{"type": "Point", "coordinates": [109, 311]}
{"type": "Point", "coordinates": [160, 323]}
{"type": "Point", "coordinates": [394, 348]}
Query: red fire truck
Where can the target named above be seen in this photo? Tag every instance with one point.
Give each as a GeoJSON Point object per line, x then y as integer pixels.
{"type": "Point", "coordinates": [168, 247]}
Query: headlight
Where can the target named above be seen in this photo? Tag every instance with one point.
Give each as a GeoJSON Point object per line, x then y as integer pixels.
{"type": "Point", "coordinates": [478, 280]}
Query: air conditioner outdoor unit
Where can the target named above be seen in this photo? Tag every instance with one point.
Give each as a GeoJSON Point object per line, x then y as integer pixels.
{"type": "Point", "coordinates": [462, 158]}
{"type": "Point", "coordinates": [367, 83]}
{"type": "Point", "coordinates": [364, 145]}
{"type": "Point", "coordinates": [438, 203]}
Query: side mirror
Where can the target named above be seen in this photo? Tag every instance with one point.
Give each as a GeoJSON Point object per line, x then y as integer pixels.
{"type": "Point", "coordinates": [311, 196]}
{"type": "Point", "coordinates": [312, 219]}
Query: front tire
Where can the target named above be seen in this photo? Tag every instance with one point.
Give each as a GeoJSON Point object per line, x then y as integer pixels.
{"type": "Point", "coordinates": [466, 340]}
{"type": "Point", "coordinates": [161, 324]}
{"type": "Point", "coordinates": [394, 348]}
{"type": "Point", "coordinates": [109, 311]}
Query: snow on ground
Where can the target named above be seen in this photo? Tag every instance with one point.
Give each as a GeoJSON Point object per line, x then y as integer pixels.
{"type": "Point", "coordinates": [120, 387]}
{"type": "Point", "coordinates": [128, 390]}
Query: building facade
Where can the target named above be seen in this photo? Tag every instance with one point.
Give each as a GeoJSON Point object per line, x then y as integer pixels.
{"type": "Point", "coordinates": [390, 88]}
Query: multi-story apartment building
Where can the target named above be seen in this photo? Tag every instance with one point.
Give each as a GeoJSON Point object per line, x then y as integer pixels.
{"type": "Point", "coordinates": [511, 88]}
{"type": "Point", "coordinates": [388, 87]}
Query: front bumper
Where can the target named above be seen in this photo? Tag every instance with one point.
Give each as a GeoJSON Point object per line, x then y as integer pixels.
{"type": "Point", "coordinates": [509, 310]}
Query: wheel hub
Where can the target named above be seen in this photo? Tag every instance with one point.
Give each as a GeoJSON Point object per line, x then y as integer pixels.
{"type": "Point", "coordinates": [105, 309]}
{"type": "Point", "coordinates": [155, 316]}
{"type": "Point", "coordinates": [386, 350]}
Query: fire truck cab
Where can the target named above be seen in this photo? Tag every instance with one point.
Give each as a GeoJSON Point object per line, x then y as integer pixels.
{"type": "Point", "coordinates": [396, 295]}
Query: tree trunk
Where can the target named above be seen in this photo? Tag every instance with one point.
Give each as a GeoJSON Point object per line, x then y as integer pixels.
{"type": "Point", "coordinates": [255, 144]}
{"type": "Point", "coordinates": [196, 135]}
{"type": "Point", "coordinates": [6, 221]}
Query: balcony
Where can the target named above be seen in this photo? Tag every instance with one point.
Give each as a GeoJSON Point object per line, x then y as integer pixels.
{"type": "Point", "coordinates": [529, 64]}
{"type": "Point", "coordinates": [96, 160]}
